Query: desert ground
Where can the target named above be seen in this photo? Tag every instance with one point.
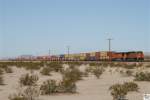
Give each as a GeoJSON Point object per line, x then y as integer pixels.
{"type": "Point", "coordinates": [89, 88]}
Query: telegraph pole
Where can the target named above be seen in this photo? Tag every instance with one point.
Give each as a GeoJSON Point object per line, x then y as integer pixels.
{"type": "Point", "coordinates": [49, 54]}
{"type": "Point", "coordinates": [68, 51]}
{"type": "Point", "coordinates": [109, 40]}
{"type": "Point", "coordinates": [109, 45]}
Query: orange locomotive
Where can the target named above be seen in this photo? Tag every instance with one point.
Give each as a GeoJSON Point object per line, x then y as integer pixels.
{"type": "Point", "coordinates": [127, 56]}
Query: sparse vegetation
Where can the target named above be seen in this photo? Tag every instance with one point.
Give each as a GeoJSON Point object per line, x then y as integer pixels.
{"type": "Point", "coordinates": [1, 80]}
{"type": "Point", "coordinates": [73, 74]}
{"type": "Point", "coordinates": [96, 70]}
{"type": "Point", "coordinates": [129, 72]}
{"type": "Point", "coordinates": [30, 93]}
{"type": "Point", "coordinates": [55, 66]}
{"type": "Point", "coordinates": [8, 70]}
{"type": "Point", "coordinates": [48, 87]}
{"type": "Point", "coordinates": [51, 86]}
{"type": "Point", "coordinates": [130, 86]}
{"type": "Point", "coordinates": [17, 97]}
{"type": "Point", "coordinates": [142, 76]}
{"type": "Point", "coordinates": [1, 71]}
{"type": "Point", "coordinates": [46, 71]}
{"type": "Point", "coordinates": [119, 91]}
{"type": "Point", "coordinates": [126, 73]}
{"type": "Point", "coordinates": [67, 86]}
{"type": "Point", "coordinates": [28, 80]}
{"type": "Point", "coordinates": [148, 66]}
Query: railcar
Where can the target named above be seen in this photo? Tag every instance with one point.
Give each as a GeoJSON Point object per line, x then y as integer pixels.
{"type": "Point", "coordinates": [95, 56]}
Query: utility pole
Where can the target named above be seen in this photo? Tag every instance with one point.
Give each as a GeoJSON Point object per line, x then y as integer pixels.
{"type": "Point", "coordinates": [49, 54]}
{"type": "Point", "coordinates": [68, 50]}
{"type": "Point", "coordinates": [109, 44]}
{"type": "Point", "coordinates": [109, 40]}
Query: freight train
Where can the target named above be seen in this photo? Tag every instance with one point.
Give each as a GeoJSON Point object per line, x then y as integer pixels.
{"type": "Point", "coordinates": [95, 56]}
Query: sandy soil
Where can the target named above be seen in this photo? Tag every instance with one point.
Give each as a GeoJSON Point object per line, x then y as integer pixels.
{"type": "Point", "coordinates": [90, 88]}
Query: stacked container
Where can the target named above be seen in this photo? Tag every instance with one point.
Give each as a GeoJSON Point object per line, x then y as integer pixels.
{"type": "Point", "coordinates": [92, 56]}
{"type": "Point", "coordinates": [97, 55]}
{"type": "Point", "coordinates": [104, 55]}
{"type": "Point", "coordinates": [82, 56]}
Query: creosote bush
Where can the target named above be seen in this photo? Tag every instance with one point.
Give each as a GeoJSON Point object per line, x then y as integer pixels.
{"type": "Point", "coordinates": [129, 72]}
{"type": "Point", "coordinates": [130, 86]}
{"type": "Point", "coordinates": [142, 76]}
{"type": "Point", "coordinates": [51, 86]}
{"type": "Point", "coordinates": [72, 74]}
{"type": "Point", "coordinates": [67, 86]}
{"type": "Point", "coordinates": [119, 91]}
{"type": "Point", "coordinates": [8, 70]}
{"type": "Point", "coordinates": [96, 70]}
{"type": "Point", "coordinates": [126, 73]}
{"type": "Point", "coordinates": [1, 71]}
{"type": "Point", "coordinates": [74, 63]}
{"type": "Point", "coordinates": [48, 87]}
{"type": "Point", "coordinates": [55, 66]}
{"type": "Point", "coordinates": [30, 93]}
{"type": "Point", "coordinates": [28, 79]}
{"type": "Point", "coordinates": [148, 66]}
{"type": "Point", "coordinates": [46, 71]}
{"type": "Point", "coordinates": [16, 97]}
{"type": "Point", "coordinates": [1, 80]}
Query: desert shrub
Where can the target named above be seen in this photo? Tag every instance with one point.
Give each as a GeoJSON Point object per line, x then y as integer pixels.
{"type": "Point", "coordinates": [28, 65]}
{"type": "Point", "coordinates": [48, 87]}
{"type": "Point", "coordinates": [55, 66]}
{"type": "Point", "coordinates": [28, 79]}
{"type": "Point", "coordinates": [92, 64]}
{"type": "Point", "coordinates": [46, 71]}
{"type": "Point", "coordinates": [74, 63]}
{"type": "Point", "coordinates": [148, 66]}
{"type": "Point", "coordinates": [8, 70]}
{"type": "Point", "coordinates": [16, 97]}
{"type": "Point", "coordinates": [112, 64]}
{"type": "Point", "coordinates": [119, 91]}
{"type": "Point", "coordinates": [129, 72]}
{"type": "Point", "coordinates": [1, 80]}
{"type": "Point", "coordinates": [142, 76]}
{"type": "Point", "coordinates": [5, 68]}
{"type": "Point", "coordinates": [51, 86]}
{"type": "Point", "coordinates": [131, 86]}
{"type": "Point", "coordinates": [130, 66]}
{"type": "Point", "coordinates": [32, 66]}
{"type": "Point", "coordinates": [3, 65]}
{"type": "Point", "coordinates": [85, 73]}
{"type": "Point", "coordinates": [73, 74]}
{"type": "Point", "coordinates": [30, 93]}
{"type": "Point", "coordinates": [96, 70]}
{"type": "Point", "coordinates": [67, 86]}
{"type": "Point", "coordinates": [126, 72]}
{"type": "Point", "coordinates": [1, 71]}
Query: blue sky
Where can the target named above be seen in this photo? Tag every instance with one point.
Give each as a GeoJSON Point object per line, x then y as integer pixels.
{"type": "Point", "coordinates": [35, 26]}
